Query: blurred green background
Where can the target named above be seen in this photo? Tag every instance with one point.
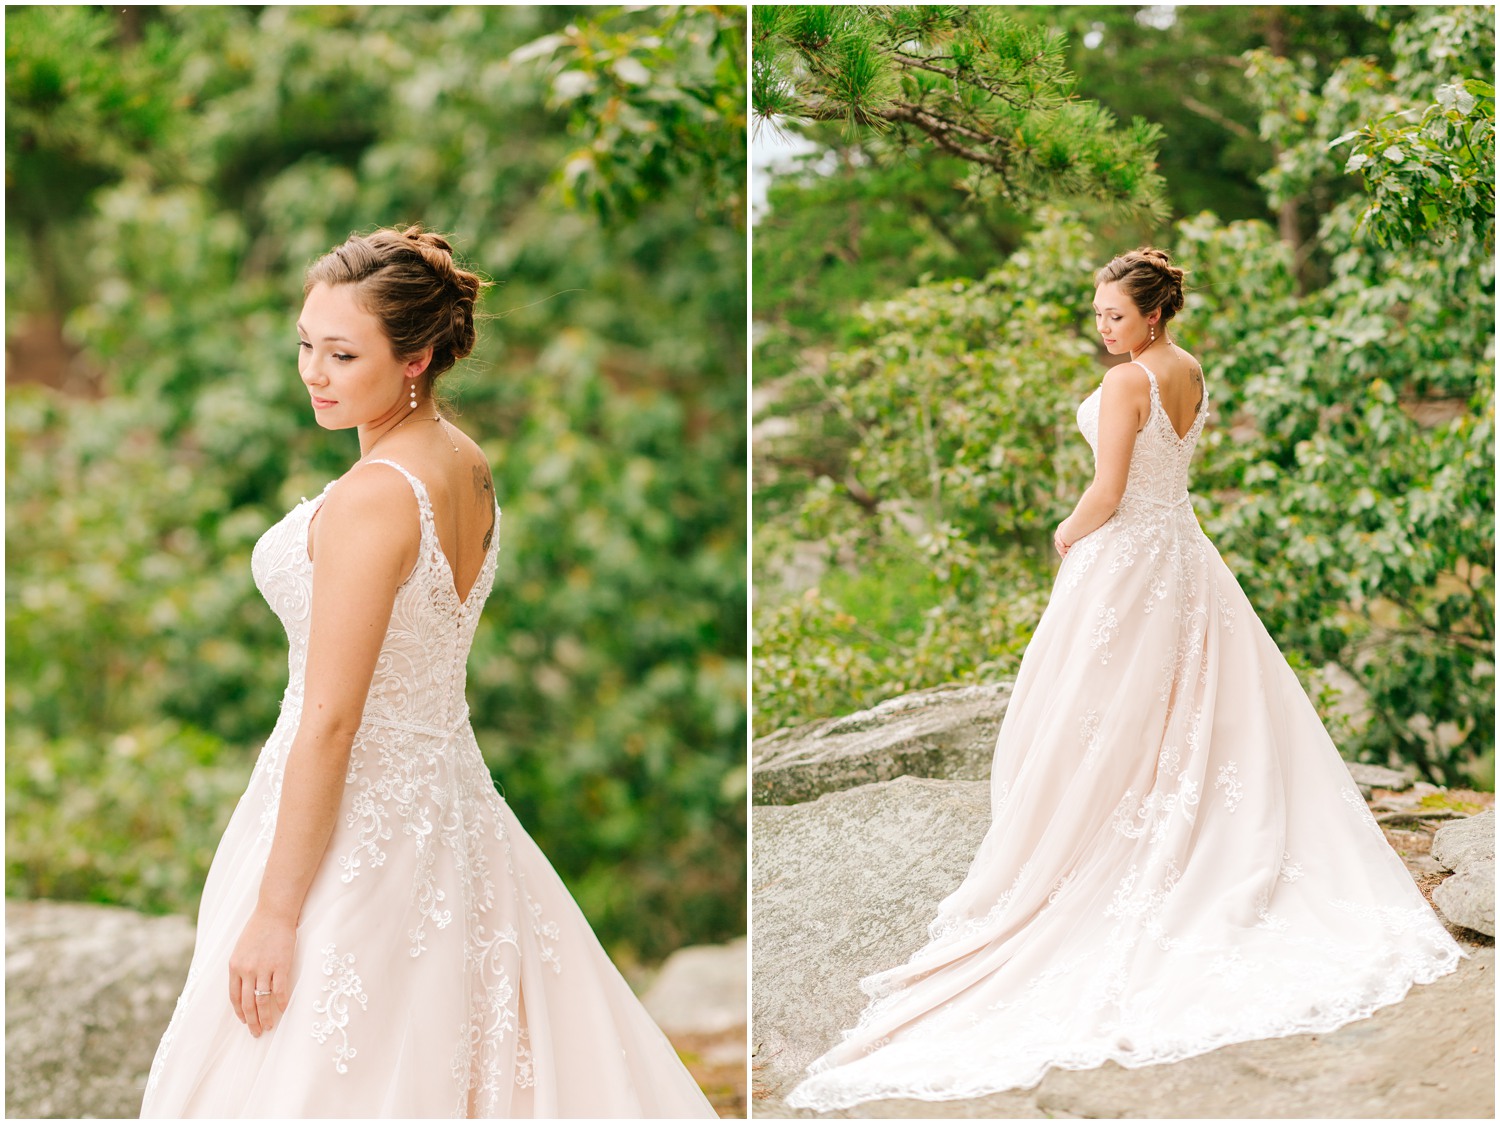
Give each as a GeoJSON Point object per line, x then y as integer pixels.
{"type": "Point", "coordinates": [939, 184]}
{"type": "Point", "coordinates": [170, 173]}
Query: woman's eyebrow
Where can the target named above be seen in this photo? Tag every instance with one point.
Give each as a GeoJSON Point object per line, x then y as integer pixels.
{"type": "Point", "coordinates": [326, 339]}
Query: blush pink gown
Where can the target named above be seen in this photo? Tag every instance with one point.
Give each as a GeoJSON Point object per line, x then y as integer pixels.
{"type": "Point", "coordinates": [441, 967]}
{"type": "Point", "coordinates": [1178, 858]}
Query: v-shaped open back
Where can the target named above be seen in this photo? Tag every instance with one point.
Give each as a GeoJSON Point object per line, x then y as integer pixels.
{"type": "Point", "coordinates": [431, 545]}
{"type": "Point", "coordinates": [1158, 404]}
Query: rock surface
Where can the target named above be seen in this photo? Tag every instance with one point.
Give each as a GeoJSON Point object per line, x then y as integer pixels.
{"type": "Point", "coordinates": [1371, 777]}
{"type": "Point", "coordinates": [845, 885]}
{"type": "Point", "coordinates": [701, 990]}
{"type": "Point", "coordinates": [1467, 847]}
{"type": "Point", "coordinates": [1466, 841]}
{"type": "Point", "coordinates": [946, 732]}
{"type": "Point", "coordinates": [89, 990]}
{"type": "Point", "coordinates": [1468, 898]}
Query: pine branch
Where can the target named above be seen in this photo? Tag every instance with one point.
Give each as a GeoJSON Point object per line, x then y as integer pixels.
{"type": "Point", "coordinates": [972, 78]}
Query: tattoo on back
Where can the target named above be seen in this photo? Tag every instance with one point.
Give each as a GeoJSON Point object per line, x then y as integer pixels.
{"type": "Point", "coordinates": [484, 488]}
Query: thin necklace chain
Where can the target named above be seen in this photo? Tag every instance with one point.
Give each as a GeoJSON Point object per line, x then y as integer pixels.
{"type": "Point", "coordinates": [1164, 339]}
{"type": "Point", "coordinates": [435, 417]}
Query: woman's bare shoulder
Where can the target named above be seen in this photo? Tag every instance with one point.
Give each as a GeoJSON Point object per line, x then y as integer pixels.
{"type": "Point", "coordinates": [1130, 378]}
{"type": "Point", "coordinates": [373, 490]}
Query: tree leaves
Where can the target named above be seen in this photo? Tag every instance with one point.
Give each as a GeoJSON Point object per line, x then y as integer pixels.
{"type": "Point", "coordinates": [607, 679]}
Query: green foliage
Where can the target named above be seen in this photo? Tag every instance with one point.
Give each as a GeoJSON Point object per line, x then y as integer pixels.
{"type": "Point", "coordinates": [1435, 174]}
{"type": "Point", "coordinates": [1347, 476]}
{"type": "Point", "coordinates": [649, 113]}
{"type": "Point", "coordinates": [155, 800]}
{"type": "Point", "coordinates": [971, 81]}
{"type": "Point", "coordinates": [861, 218]}
{"type": "Point", "coordinates": [1182, 68]}
{"type": "Point", "coordinates": [1356, 469]}
{"type": "Point", "coordinates": [607, 678]}
{"type": "Point", "coordinates": [941, 477]}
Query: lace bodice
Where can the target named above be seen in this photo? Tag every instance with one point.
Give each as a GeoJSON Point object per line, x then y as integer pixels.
{"type": "Point", "coordinates": [1159, 462]}
{"type": "Point", "coordinates": [421, 671]}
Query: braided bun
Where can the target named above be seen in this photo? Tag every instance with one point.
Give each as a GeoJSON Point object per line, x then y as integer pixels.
{"type": "Point", "coordinates": [1148, 277]}
{"type": "Point", "coordinates": [409, 281]}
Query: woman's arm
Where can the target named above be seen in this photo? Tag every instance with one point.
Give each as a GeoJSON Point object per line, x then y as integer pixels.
{"type": "Point", "coordinates": [364, 542]}
{"type": "Point", "coordinates": [1124, 405]}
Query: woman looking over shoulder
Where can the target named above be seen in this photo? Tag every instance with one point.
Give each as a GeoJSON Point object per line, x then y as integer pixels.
{"type": "Point", "coordinates": [390, 940]}
{"type": "Point", "coordinates": [1125, 394]}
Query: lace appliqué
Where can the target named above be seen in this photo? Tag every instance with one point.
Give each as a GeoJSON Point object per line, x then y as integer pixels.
{"type": "Point", "coordinates": [1290, 871]}
{"type": "Point", "coordinates": [195, 970]}
{"type": "Point", "coordinates": [1229, 781]}
{"type": "Point", "coordinates": [1356, 803]}
{"type": "Point", "coordinates": [1104, 631]}
{"type": "Point", "coordinates": [1089, 734]}
{"type": "Point", "coordinates": [525, 1076]}
{"type": "Point", "coordinates": [343, 985]}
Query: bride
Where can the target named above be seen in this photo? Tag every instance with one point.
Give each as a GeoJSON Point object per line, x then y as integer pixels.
{"type": "Point", "coordinates": [1178, 858]}
{"type": "Point", "coordinates": [378, 937]}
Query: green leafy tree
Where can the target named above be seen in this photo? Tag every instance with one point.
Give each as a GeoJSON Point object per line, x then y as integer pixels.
{"type": "Point", "coordinates": [649, 113]}
{"type": "Point", "coordinates": [607, 677]}
{"type": "Point", "coordinates": [1348, 478]}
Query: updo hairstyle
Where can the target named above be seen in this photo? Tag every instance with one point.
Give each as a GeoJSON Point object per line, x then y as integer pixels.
{"type": "Point", "coordinates": [408, 280]}
{"type": "Point", "coordinates": [1148, 277]}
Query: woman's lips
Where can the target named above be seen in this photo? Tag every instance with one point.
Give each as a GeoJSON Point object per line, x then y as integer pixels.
{"type": "Point", "coordinates": [322, 403]}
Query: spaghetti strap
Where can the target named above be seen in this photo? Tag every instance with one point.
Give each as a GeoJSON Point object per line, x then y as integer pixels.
{"type": "Point", "coordinates": [423, 500]}
{"type": "Point", "coordinates": [1150, 374]}
{"type": "Point", "coordinates": [432, 544]}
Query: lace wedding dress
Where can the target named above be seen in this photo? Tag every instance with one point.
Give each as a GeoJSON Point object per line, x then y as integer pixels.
{"type": "Point", "coordinates": [1178, 857]}
{"type": "Point", "coordinates": [441, 967]}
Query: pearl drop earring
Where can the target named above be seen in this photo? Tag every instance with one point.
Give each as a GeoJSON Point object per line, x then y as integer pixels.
{"type": "Point", "coordinates": [413, 394]}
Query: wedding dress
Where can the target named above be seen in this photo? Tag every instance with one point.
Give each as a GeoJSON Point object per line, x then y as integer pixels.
{"type": "Point", "coordinates": [1178, 858]}
{"type": "Point", "coordinates": [441, 967]}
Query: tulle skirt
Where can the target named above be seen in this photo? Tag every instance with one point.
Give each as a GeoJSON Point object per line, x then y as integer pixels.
{"type": "Point", "coordinates": [441, 967]}
{"type": "Point", "coordinates": [1178, 858]}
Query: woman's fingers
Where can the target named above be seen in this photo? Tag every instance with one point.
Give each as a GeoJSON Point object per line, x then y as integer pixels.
{"type": "Point", "coordinates": [234, 995]}
{"type": "Point", "coordinates": [250, 1002]}
{"type": "Point", "coordinates": [265, 1007]}
{"type": "Point", "coordinates": [281, 992]}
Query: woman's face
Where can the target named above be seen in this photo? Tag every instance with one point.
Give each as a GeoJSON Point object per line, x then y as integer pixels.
{"type": "Point", "coordinates": [1119, 322]}
{"type": "Point", "coordinates": [346, 362]}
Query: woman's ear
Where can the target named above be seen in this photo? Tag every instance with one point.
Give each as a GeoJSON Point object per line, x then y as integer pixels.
{"type": "Point", "coordinates": [417, 364]}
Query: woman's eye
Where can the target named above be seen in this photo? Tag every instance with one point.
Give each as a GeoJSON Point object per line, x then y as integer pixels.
{"type": "Point", "coordinates": [342, 357]}
{"type": "Point", "coordinates": [304, 345]}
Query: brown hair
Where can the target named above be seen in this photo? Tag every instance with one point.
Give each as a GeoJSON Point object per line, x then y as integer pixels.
{"type": "Point", "coordinates": [408, 280]}
{"type": "Point", "coordinates": [1148, 277]}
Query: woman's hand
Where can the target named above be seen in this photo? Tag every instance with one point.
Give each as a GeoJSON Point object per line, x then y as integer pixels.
{"type": "Point", "coordinates": [1061, 539]}
{"type": "Point", "coordinates": [262, 962]}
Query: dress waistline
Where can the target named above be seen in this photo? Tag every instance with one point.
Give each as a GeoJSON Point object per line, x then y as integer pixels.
{"type": "Point", "coordinates": [294, 700]}
{"type": "Point", "coordinates": [1185, 500]}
